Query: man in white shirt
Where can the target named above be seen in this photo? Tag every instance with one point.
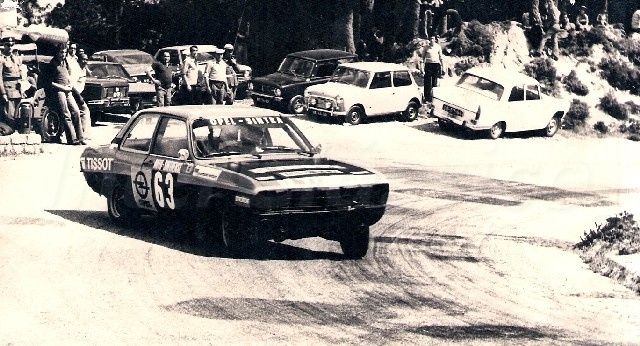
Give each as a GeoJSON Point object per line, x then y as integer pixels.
{"type": "Point", "coordinates": [432, 68]}
{"type": "Point", "coordinates": [191, 93]}
{"type": "Point", "coordinates": [216, 72]}
{"type": "Point", "coordinates": [77, 77]}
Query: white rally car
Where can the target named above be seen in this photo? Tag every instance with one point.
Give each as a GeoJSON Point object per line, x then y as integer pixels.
{"type": "Point", "coordinates": [497, 100]}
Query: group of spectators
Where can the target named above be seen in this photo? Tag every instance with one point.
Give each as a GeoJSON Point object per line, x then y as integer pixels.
{"type": "Point", "coordinates": [215, 85]}
{"type": "Point", "coordinates": [63, 81]}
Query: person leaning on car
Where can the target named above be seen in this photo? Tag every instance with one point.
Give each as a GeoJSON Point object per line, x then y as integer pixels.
{"type": "Point", "coordinates": [190, 77]}
{"type": "Point", "coordinates": [78, 77]}
{"type": "Point", "coordinates": [216, 72]}
{"type": "Point", "coordinates": [61, 88]}
{"type": "Point", "coordinates": [10, 77]}
{"type": "Point", "coordinates": [432, 68]}
{"type": "Point", "coordinates": [162, 79]}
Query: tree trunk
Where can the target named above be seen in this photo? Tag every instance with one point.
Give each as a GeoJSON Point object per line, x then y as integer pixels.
{"type": "Point", "coordinates": [343, 27]}
{"type": "Point", "coordinates": [408, 20]}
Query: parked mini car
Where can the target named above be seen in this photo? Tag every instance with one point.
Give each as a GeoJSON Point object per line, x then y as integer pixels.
{"type": "Point", "coordinates": [136, 63]}
{"type": "Point", "coordinates": [178, 53]}
{"type": "Point", "coordinates": [284, 89]}
{"type": "Point", "coordinates": [497, 100]}
{"type": "Point", "coordinates": [239, 175]}
{"type": "Point", "coordinates": [366, 89]}
{"type": "Point", "coordinates": [106, 89]}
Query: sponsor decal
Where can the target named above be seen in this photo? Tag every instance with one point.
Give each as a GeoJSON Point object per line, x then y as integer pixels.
{"type": "Point", "coordinates": [294, 174]}
{"type": "Point", "coordinates": [167, 166]}
{"type": "Point", "coordinates": [189, 168]}
{"type": "Point", "coordinates": [292, 168]}
{"type": "Point", "coordinates": [141, 185]}
{"type": "Point", "coordinates": [247, 120]}
{"type": "Point", "coordinates": [207, 172]}
{"type": "Point", "coordinates": [96, 163]}
{"type": "Point", "coordinates": [243, 200]}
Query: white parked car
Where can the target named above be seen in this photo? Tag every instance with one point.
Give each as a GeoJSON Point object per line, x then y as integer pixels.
{"type": "Point", "coordinates": [365, 89]}
{"type": "Point", "coordinates": [497, 100]}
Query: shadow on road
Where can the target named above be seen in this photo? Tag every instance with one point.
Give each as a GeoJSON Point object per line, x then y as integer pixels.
{"type": "Point", "coordinates": [170, 234]}
{"type": "Point", "coordinates": [483, 331]}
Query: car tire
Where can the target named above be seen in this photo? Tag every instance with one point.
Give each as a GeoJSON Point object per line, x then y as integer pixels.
{"type": "Point", "coordinates": [354, 115]}
{"type": "Point", "coordinates": [50, 126]}
{"type": "Point", "coordinates": [355, 242]}
{"type": "Point", "coordinates": [551, 128]}
{"type": "Point", "coordinates": [411, 113]}
{"type": "Point", "coordinates": [444, 125]}
{"type": "Point", "coordinates": [238, 236]}
{"type": "Point", "coordinates": [296, 105]}
{"type": "Point", "coordinates": [496, 130]}
{"type": "Point", "coordinates": [119, 212]}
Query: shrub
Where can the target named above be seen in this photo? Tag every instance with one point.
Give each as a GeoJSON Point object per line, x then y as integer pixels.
{"type": "Point", "coordinates": [463, 65]}
{"type": "Point", "coordinates": [577, 115]}
{"type": "Point", "coordinates": [611, 106]}
{"type": "Point", "coordinates": [544, 72]}
{"type": "Point", "coordinates": [476, 39]}
{"type": "Point", "coordinates": [601, 127]}
{"type": "Point", "coordinates": [634, 108]}
{"type": "Point", "coordinates": [620, 232]}
{"type": "Point", "coordinates": [632, 127]}
{"type": "Point", "coordinates": [620, 75]}
{"type": "Point", "coordinates": [630, 48]}
{"type": "Point", "coordinates": [574, 85]}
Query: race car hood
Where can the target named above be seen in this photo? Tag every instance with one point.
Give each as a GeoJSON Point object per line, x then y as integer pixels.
{"type": "Point", "coordinates": [295, 173]}
{"type": "Point", "coordinates": [279, 79]}
{"type": "Point", "coordinates": [331, 89]}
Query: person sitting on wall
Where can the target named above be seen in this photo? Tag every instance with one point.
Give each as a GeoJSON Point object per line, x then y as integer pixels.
{"type": "Point", "coordinates": [582, 19]}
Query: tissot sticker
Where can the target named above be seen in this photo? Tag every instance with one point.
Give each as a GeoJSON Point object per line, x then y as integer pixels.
{"type": "Point", "coordinates": [208, 172]}
{"type": "Point", "coordinates": [96, 163]}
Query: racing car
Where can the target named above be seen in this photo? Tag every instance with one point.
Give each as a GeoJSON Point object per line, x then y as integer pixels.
{"type": "Point", "coordinates": [239, 175]}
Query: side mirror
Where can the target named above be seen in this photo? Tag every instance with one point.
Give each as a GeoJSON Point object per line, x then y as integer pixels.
{"type": "Point", "coordinates": [183, 154]}
{"type": "Point", "coordinates": [318, 149]}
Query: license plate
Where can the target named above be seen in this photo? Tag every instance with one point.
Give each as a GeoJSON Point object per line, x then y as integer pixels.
{"type": "Point", "coordinates": [264, 99]}
{"type": "Point", "coordinates": [452, 111]}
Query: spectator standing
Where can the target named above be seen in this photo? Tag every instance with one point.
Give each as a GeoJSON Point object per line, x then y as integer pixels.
{"type": "Point", "coordinates": [190, 76]}
{"type": "Point", "coordinates": [62, 90]}
{"type": "Point", "coordinates": [582, 19]}
{"type": "Point", "coordinates": [216, 72]}
{"type": "Point", "coordinates": [432, 68]}
{"type": "Point", "coordinates": [376, 45]}
{"type": "Point", "coordinates": [78, 77]}
{"type": "Point", "coordinates": [10, 72]}
{"type": "Point", "coordinates": [161, 75]}
{"type": "Point", "coordinates": [232, 72]}
{"type": "Point", "coordinates": [242, 38]}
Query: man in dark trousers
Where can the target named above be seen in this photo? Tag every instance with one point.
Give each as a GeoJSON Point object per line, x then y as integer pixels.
{"type": "Point", "coordinates": [10, 96]}
{"type": "Point", "coordinates": [161, 75]}
{"type": "Point", "coordinates": [62, 91]}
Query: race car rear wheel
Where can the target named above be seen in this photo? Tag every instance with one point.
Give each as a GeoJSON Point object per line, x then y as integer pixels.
{"type": "Point", "coordinates": [119, 212]}
{"type": "Point", "coordinates": [355, 242]}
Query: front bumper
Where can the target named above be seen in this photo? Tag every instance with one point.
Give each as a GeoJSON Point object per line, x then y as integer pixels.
{"type": "Point", "coordinates": [265, 99]}
{"type": "Point", "coordinates": [325, 112]}
{"type": "Point", "coordinates": [112, 104]}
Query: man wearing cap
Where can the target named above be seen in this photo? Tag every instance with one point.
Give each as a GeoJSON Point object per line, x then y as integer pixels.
{"type": "Point", "coordinates": [216, 71]}
{"type": "Point", "coordinates": [9, 78]}
{"type": "Point", "coordinates": [232, 72]}
{"type": "Point", "coordinates": [161, 75]}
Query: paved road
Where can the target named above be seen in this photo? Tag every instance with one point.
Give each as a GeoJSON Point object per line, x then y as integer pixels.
{"type": "Point", "coordinates": [475, 248]}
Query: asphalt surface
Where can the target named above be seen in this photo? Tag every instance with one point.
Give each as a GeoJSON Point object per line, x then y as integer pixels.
{"type": "Point", "coordinates": [475, 248]}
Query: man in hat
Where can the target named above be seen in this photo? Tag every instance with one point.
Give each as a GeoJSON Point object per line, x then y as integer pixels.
{"type": "Point", "coordinates": [232, 72]}
{"type": "Point", "coordinates": [10, 95]}
{"type": "Point", "coordinates": [582, 19]}
{"type": "Point", "coordinates": [216, 72]}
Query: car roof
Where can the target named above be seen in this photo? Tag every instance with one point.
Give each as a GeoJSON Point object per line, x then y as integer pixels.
{"type": "Point", "coordinates": [201, 47]}
{"type": "Point", "coordinates": [503, 76]}
{"type": "Point", "coordinates": [322, 54]}
{"type": "Point", "coordinates": [375, 66]}
{"type": "Point", "coordinates": [119, 52]}
{"type": "Point", "coordinates": [214, 111]}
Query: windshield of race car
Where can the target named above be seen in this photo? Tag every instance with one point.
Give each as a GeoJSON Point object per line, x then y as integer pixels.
{"type": "Point", "coordinates": [215, 137]}
{"type": "Point", "coordinates": [346, 75]}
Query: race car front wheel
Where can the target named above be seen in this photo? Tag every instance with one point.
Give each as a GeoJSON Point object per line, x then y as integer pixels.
{"type": "Point", "coordinates": [119, 212]}
{"type": "Point", "coordinates": [355, 242]}
{"type": "Point", "coordinates": [239, 234]}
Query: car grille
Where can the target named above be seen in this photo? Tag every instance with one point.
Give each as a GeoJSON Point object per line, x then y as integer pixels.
{"type": "Point", "coordinates": [325, 199]}
{"type": "Point", "coordinates": [116, 91]}
{"type": "Point", "coordinates": [321, 102]}
{"type": "Point", "coordinates": [263, 89]}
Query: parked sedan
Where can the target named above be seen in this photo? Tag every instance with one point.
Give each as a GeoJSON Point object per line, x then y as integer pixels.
{"type": "Point", "coordinates": [136, 63]}
{"type": "Point", "coordinates": [239, 175]}
{"type": "Point", "coordinates": [365, 89]}
{"type": "Point", "coordinates": [497, 100]}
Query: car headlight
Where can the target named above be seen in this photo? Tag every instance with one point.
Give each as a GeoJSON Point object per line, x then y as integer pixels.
{"type": "Point", "coordinates": [277, 92]}
{"type": "Point", "coordinates": [313, 101]}
{"type": "Point", "coordinates": [339, 101]}
{"type": "Point", "coordinates": [247, 74]}
{"type": "Point", "coordinates": [250, 86]}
